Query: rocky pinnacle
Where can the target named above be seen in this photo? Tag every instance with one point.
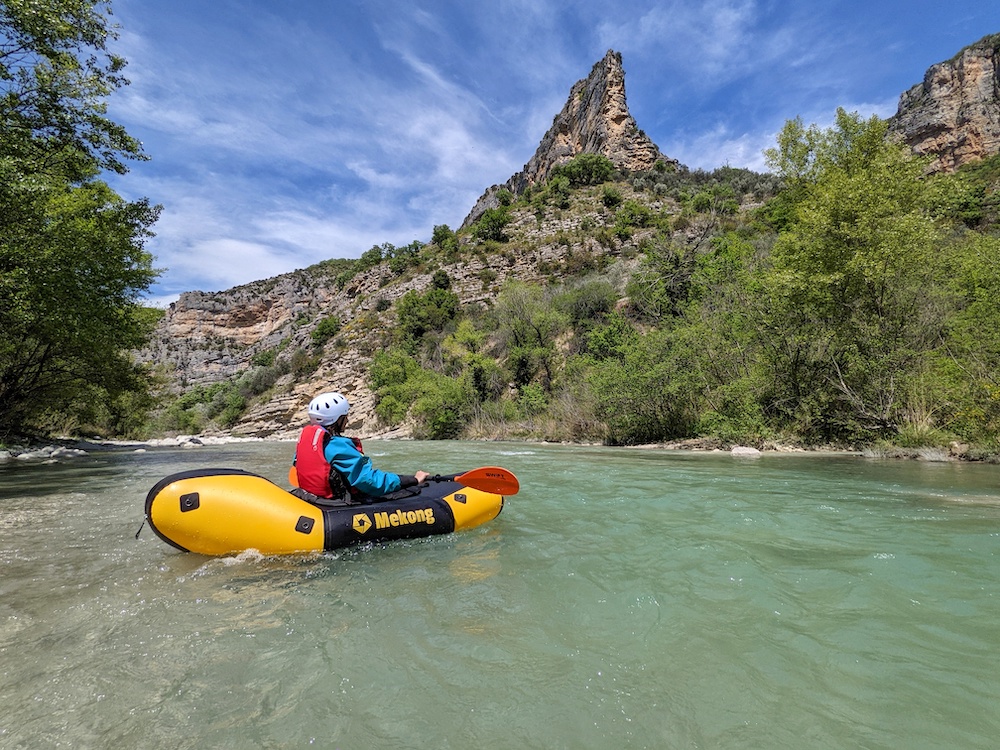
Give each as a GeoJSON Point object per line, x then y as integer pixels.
{"type": "Point", "coordinates": [595, 120]}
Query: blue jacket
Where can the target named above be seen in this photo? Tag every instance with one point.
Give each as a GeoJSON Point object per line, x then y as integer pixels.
{"type": "Point", "coordinates": [344, 456]}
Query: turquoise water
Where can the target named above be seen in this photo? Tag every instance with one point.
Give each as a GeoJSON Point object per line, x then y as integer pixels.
{"type": "Point", "coordinates": [624, 599]}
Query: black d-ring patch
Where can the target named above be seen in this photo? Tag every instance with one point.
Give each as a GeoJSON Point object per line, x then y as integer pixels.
{"type": "Point", "coordinates": [190, 501]}
{"type": "Point", "coordinates": [305, 524]}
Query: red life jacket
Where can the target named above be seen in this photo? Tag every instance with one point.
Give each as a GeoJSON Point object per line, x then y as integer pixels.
{"type": "Point", "coordinates": [311, 466]}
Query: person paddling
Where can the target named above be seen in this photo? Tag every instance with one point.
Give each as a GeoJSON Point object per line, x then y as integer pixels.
{"type": "Point", "coordinates": [330, 465]}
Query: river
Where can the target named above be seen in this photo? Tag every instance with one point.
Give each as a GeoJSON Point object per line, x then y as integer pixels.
{"type": "Point", "coordinates": [625, 598]}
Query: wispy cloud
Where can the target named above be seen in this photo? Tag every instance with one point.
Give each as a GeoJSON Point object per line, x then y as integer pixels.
{"type": "Point", "coordinates": [722, 147]}
{"type": "Point", "coordinates": [285, 134]}
{"type": "Point", "coordinates": [710, 39]}
{"type": "Point", "coordinates": [412, 151]}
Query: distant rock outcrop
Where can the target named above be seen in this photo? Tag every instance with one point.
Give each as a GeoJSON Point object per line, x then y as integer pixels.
{"type": "Point", "coordinates": [954, 114]}
{"type": "Point", "coordinates": [595, 120]}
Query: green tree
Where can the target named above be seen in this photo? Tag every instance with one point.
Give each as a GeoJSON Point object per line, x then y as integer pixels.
{"type": "Point", "coordinates": [438, 405]}
{"type": "Point", "coordinates": [719, 335]}
{"type": "Point", "coordinates": [642, 391]}
{"type": "Point", "coordinates": [72, 258]}
{"type": "Point", "coordinates": [423, 313]}
{"type": "Point", "coordinates": [967, 371]}
{"type": "Point", "coordinates": [441, 408]}
{"type": "Point", "coordinates": [631, 214]}
{"type": "Point", "coordinates": [613, 339]}
{"type": "Point", "coordinates": [374, 255]}
{"type": "Point", "coordinates": [660, 286]}
{"type": "Point", "coordinates": [401, 258]}
{"type": "Point", "coordinates": [445, 239]}
{"type": "Point", "coordinates": [55, 74]}
{"type": "Point", "coordinates": [857, 288]}
{"type": "Point", "coordinates": [440, 280]}
{"type": "Point", "coordinates": [529, 325]}
{"type": "Point", "coordinates": [559, 190]}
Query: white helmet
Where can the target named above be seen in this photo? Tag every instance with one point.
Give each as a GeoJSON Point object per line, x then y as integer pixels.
{"type": "Point", "coordinates": [327, 408]}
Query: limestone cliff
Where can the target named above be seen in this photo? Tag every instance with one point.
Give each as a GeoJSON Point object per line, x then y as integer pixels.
{"type": "Point", "coordinates": [595, 120]}
{"type": "Point", "coordinates": [954, 114]}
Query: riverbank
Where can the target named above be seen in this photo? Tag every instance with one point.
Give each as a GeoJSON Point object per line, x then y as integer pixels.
{"type": "Point", "coordinates": [51, 450]}
{"type": "Point", "coordinates": [954, 451]}
{"type": "Point", "coordinates": [56, 449]}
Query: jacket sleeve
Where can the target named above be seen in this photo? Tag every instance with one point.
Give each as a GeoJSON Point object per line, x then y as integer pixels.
{"type": "Point", "coordinates": [357, 467]}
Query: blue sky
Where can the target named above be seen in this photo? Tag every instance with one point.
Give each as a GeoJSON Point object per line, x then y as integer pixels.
{"type": "Point", "coordinates": [285, 133]}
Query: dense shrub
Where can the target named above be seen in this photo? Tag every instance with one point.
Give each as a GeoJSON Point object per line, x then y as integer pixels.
{"type": "Point", "coordinates": [631, 215]}
{"type": "Point", "coordinates": [423, 313]}
{"type": "Point", "coordinates": [586, 304]}
{"type": "Point", "coordinates": [325, 330]}
{"type": "Point", "coordinates": [559, 191]}
{"type": "Point", "coordinates": [586, 169]}
{"type": "Point", "coordinates": [611, 196]}
{"type": "Point", "coordinates": [492, 224]}
{"type": "Point", "coordinates": [439, 406]}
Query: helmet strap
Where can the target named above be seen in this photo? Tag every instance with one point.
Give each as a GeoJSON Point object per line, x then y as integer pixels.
{"type": "Point", "coordinates": [339, 425]}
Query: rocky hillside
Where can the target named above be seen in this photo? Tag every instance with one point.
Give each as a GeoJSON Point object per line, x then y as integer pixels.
{"type": "Point", "coordinates": [208, 338]}
{"type": "Point", "coordinates": [953, 115]}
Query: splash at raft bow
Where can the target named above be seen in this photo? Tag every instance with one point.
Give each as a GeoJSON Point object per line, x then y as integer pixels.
{"type": "Point", "coordinates": [224, 511]}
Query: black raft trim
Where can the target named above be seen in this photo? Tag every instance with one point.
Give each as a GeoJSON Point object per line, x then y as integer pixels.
{"type": "Point", "coordinates": [359, 524]}
{"type": "Point", "coordinates": [189, 474]}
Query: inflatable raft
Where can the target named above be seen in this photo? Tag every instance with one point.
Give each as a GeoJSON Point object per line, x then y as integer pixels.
{"type": "Point", "coordinates": [222, 511]}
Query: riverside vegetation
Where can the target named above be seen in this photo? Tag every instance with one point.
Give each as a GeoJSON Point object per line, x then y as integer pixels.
{"type": "Point", "coordinates": [858, 303]}
{"type": "Point", "coordinates": [847, 297]}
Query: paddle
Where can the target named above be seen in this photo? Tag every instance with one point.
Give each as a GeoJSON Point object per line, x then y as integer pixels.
{"type": "Point", "coordinates": [493, 479]}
